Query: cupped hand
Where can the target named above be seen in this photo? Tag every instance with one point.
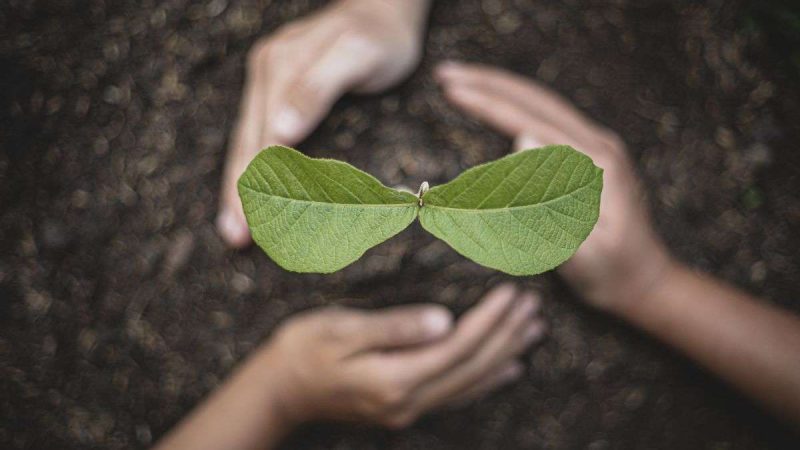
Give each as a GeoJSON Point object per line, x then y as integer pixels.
{"type": "Point", "coordinates": [390, 366]}
{"type": "Point", "coordinates": [295, 75]}
{"type": "Point", "coordinates": [623, 256]}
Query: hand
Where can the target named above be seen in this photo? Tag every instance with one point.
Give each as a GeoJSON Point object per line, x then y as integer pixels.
{"type": "Point", "coordinates": [623, 257]}
{"type": "Point", "coordinates": [296, 75]}
{"type": "Point", "coordinates": [390, 366]}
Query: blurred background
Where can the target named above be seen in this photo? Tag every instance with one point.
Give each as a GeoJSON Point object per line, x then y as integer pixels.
{"type": "Point", "coordinates": [120, 308]}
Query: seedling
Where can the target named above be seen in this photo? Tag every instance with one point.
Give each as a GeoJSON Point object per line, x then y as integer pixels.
{"type": "Point", "coordinates": [522, 214]}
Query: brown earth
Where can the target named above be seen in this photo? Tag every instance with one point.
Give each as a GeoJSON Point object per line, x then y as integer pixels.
{"type": "Point", "coordinates": [120, 308]}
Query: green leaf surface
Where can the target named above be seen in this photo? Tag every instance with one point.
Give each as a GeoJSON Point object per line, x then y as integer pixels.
{"type": "Point", "coordinates": [522, 214]}
{"type": "Point", "coordinates": [318, 215]}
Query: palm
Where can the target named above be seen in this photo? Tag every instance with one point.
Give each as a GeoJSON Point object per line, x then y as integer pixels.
{"type": "Point", "coordinates": [622, 252]}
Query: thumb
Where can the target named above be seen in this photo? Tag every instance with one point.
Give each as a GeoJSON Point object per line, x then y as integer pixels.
{"type": "Point", "coordinates": [309, 97]}
{"type": "Point", "coordinates": [403, 326]}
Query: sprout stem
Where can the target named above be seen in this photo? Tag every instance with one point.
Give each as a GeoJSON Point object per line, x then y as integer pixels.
{"type": "Point", "coordinates": [423, 188]}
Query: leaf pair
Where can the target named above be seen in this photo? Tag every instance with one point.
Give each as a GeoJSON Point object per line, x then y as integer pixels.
{"type": "Point", "coordinates": [522, 214]}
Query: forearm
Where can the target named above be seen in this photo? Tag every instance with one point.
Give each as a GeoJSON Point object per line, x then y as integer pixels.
{"type": "Point", "coordinates": [750, 344]}
{"type": "Point", "coordinates": [243, 414]}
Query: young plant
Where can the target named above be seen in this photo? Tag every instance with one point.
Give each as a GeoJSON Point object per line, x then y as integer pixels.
{"type": "Point", "coordinates": [522, 214]}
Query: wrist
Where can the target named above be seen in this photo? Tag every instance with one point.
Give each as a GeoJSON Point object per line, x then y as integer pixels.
{"type": "Point", "coordinates": [636, 283]}
{"type": "Point", "coordinates": [277, 396]}
{"type": "Point", "coordinates": [649, 294]}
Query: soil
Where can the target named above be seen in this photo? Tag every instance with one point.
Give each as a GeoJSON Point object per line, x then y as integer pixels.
{"type": "Point", "coordinates": [120, 308]}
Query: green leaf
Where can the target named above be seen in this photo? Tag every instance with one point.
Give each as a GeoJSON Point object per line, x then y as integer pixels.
{"type": "Point", "coordinates": [522, 214]}
{"type": "Point", "coordinates": [318, 215]}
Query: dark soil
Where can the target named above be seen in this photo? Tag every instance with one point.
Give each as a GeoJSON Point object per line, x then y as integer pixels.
{"type": "Point", "coordinates": [120, 308]}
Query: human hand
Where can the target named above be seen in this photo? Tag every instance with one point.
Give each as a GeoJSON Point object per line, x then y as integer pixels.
{"type": "Point", "coordinates": [623, 257]}
{"type": "Point", "coordinates": [295, 75]}
{"type": "Point", "coordinates": [390, 366]}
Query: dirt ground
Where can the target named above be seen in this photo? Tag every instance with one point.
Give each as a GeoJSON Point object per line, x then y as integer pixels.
{"type": "Point", "coordinates": [120, 308]}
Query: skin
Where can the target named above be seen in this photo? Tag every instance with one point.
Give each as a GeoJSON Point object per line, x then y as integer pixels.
{"type": "Point", "coordinates": [388, 367]}
{"type": "Point", "coordinates": [295, 75]}
{"type": "Point", "coordinates": [384, 367]}
{"type": "Point", "coordinates": [623, 267]}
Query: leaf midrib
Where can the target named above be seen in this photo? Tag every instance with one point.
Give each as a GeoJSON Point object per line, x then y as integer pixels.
{"type": "Point", "coordinates": [511, 208]}
{"type": "Point", "coordinates": [450, 208]}
{"type": "Point", "coordinates": [352, 205]}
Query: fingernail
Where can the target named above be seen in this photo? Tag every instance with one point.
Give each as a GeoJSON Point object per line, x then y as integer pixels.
{"type": "Point", "coordinates": [534, 332]}
{"type": "Point", "coordinates": [511, 372]}
{"type": "Point", "coordinates": [437, 322]}
{"type": "Point", "coordinates": [232, 230]}
{"type": "Point", "coordinates": [506, 288]}
{"type": "Point", "coordinates": [502, 297]}
{"type": "Point", "coordinates": [524, 307]}
{"type": "Point", "coordinates": [526, 142]}
{"type": "Point", "coordinates": [533, 298]}
{"type": "Point", "coordinates": [287, 124]}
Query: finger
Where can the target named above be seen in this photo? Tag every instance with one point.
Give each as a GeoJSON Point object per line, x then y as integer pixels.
{"type": "Point", "coordinates": [508, 117]}
{"type": "Point", "coordinates": [505, 115]}
{"type": "Point", "coordinates": [526, 141]}
{"type": "Point", "coordinates": [278, 60]}
{"type": "Point", "coordinates": [538, 100]}
{"type": "Point", "coordinates": [399, 327]}
{"type": "Point", "coordinates": [231, 222]}
{"type": "Point", "coordinates": [264, 78]}
{"type": "Point", "coordinates": [418, 365]}
{"type": "Point", "coordinates": [517, 332]}
{"type": "Point", "coordinates": [306, 97]}
{"type": "Point", "coordinates": [499, 113]}
{"type": "Point", "coordinates": [541, 133]}
{"type": "Point", "coordinates": [548, 112]}
{"type": "Point", "coordinates": [507, 373]}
